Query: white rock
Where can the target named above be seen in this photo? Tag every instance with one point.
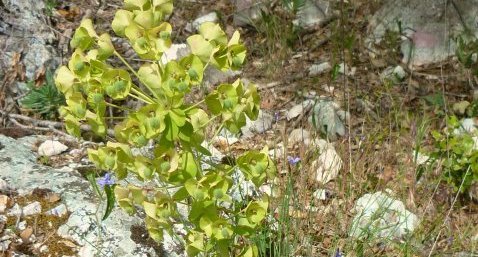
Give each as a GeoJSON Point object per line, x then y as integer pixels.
{"type": "Point", "coordinates": [270, 190]}
{"type": "Point", "coordinates": [4, 245]}
{"type": "Point", "coordinates": [58, 211]}
{"type": "Point", "coordinates": [76, 152]}
{"type": "Point", "coordinates": [327, 165]}
{"type": "Point", "coordinates": [174, 53]}
{"type": "Point", "coordinates": [320, 144]}
{"type": "Point", "coordinates": [51, 148]}
{"type": "Point", "coordinates": [468, 125]}
{"type": "Point", "coordinates": [346, 70]}
{"type": "Point", "coordinates": [32, 209]}
{"type": "Point", "coordinates": [320, 194]}
{"type": "Point", "coordinates": [210, 17]}
{"type": "Point", "coordinates": [262, 124]}
{"type": "Point", "coordinates": [420, 158]}
{"type": "Point", "coordinates": [399, 72]}
{"type": "Point", "coordinates": [380, 215]}
{"type": "Point", "coordinates": [22, 225]}
{"type": "Point", "coordinates": [225, 137]}
{"type": "Point", "coordinates": [43, 249]}
{"type": "Point", "coordinates": [298, 109]}
{"type": "Point", "coordinates": [299, 136]}
{"type": "Point", "coordinates": [317, 69]}
{"type": "Point", "coordinates": [16, 210]}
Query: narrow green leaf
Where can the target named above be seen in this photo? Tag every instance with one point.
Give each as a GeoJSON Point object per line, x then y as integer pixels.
{"type": "Point", "coordinates": [110, 200]}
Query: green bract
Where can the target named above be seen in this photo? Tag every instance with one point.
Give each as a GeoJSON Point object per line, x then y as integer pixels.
{"type": "Point", "coordinates": [175, 128]}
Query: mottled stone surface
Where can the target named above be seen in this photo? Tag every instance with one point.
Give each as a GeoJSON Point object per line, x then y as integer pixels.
{"type": "Point", "coordinates": [111, 237]}
{"type": "Point", "coordinates": [24, 29]}
{"type": "Point", "coordinates": [429, 27]}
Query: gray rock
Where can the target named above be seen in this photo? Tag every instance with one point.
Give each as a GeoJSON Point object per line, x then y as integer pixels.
{"type": "Point", "coordinates": [318, 69]}
{"type": "Point", "coordinates": [213, 76]}
{"type": "Point", "coordinates": [394, 74]}
{"type": "Point", "coordinates": [313, 13]}
{"type": "Point", "coordinates": [299, 136]}
{"type": "Point", "coordinates": [299, 109]}
{"type": "Point", "coordinates": [210, 17]}
{"type": "Point", "coordinates": [382, 216]}
{"type": "Point", "coordinates": [261, 125]}
{"type": "Point", "coordinates": [23, 28]}
{"type": "Point", "coordinates": [247, 12]}
{"type": "Point", "coordinates": [428, 25]}
{"type": "Point", "coordinates": [111, 237]}
{"type": "Point", "coordinates": [3, 185]}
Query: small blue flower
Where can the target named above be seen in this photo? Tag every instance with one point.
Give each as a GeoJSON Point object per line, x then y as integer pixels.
{"type": "Point", "coordinates": [338, 253]}
{"type": "Point", "coordinates": [107, 180]}
{"type": "Point", "coordinates": [293, 160]}
{"type": "Point", "coordinates": [276, 116]}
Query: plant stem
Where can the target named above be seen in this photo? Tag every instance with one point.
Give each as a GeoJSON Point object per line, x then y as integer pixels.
{"type": "Point", "coordinates": [194, 105]}
{"type": "Point", "coordinates": [140, 95]}
{"type": "Point", "coordinates": [119, 107]}
{"type": "Point", "coordinates": [136, 74]}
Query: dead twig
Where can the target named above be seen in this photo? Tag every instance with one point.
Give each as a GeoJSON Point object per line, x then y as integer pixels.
{"type": "Point", "coordinates": [45, 125]}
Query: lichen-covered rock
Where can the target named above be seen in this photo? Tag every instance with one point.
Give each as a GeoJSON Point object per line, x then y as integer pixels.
{"type": "Point", "coordinates": [23, 29]}
{"type": "Point", "coordinates": [111, 237]}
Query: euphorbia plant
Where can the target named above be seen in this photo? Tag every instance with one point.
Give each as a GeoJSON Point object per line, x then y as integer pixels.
{"type": "Point", "coordinates": [216, 223]}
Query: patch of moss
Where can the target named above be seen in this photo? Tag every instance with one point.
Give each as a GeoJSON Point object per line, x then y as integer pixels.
{"type": "Point", "coordinates": [45, 226]}
{"type": "Point", "coordinates": [140, 235]}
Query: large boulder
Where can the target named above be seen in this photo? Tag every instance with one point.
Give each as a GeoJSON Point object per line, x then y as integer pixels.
{"type": "Point", "coordinates": [111, 237]}
{"type": "Point", "coordinates": [428, 26]}
{"type": "Point", "coordinates": [24, 30]}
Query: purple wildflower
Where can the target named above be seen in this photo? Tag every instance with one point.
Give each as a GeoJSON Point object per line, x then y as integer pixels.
{"type": "Point", "coordinates": [293, 160]}
{"type": "Point", "coordinates": [276, 116]}
{"type": "Point", "coordinates": [106, 180]}
{"type": "Point", "coordinates": [338, 253]}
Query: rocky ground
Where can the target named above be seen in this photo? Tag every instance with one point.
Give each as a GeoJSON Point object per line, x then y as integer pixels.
{"type": "Point", "coordinates": [377, 76]}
